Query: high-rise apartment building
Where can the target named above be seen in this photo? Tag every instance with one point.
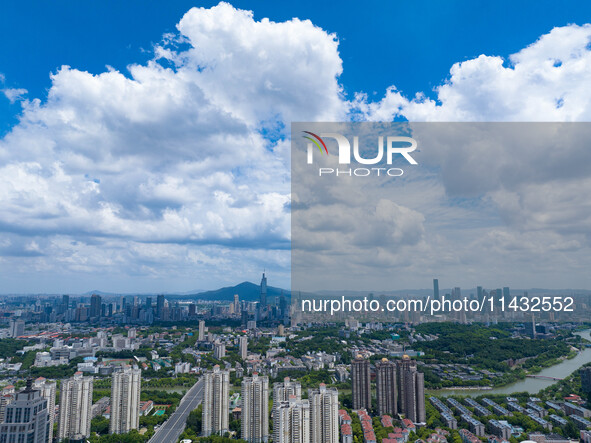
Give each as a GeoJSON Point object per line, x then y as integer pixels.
{"type": "Point", "coordinates": [324, 415]}
{"type": "Point", "coordinates": [219, 350]}
{"type": "Point", "coordinates": [75, 407]}
{"type": "Point", "coordinates": [7, 395]}
{"type": "Point", "coordinates": [291, 420]}
{"type": "Point", "coordinates": [216, 393]}
{"type": "Point", "coordinates": [26, 418]}
{"type": "Point", "coordinates": [361, 379]}
{"type": "Point", "coordinates": [48, 390]}
{"type": "Point", "coordinates": [243, 346]}
{"type": "Point", "coordinates": [125, 400]}
{"type": "Point", "coordinates": [284, 391]}
{"type": "Point", "coordinates": [201, 336]}
{"type": "Point", "coordinates": [255, 409]}
{"type": "Point", "coordinates": [16, 327]}
{"type": "Point", "coordinates": [411, 390]}
{"type": "Point", "coordinates": [386, 387]}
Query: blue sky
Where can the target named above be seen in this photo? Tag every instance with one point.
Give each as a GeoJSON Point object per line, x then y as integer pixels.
{"type": "Point", "coordinates": [134, 136]}
{"type": "Point", "coordinates": [410, 44]}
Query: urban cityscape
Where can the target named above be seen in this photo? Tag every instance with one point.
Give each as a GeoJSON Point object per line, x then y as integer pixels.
{"type": "Point", "coordinates": [169, 368]}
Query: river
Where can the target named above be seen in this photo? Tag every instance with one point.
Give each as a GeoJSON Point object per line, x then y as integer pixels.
{"type": "Point", "coordinates": [531, 385]}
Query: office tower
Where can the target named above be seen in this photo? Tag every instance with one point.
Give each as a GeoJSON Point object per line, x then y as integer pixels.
{"type": "Point", "coordinates": [95, 305]}
{"type": "Point", "coordinates": [236, 304]}
{"type": "Point", "coordinates": [361, 380]}
{"type": "Point", "coordinates": [47, 390]}
{"type": "Point", "coordinates": [436, 289]}
{"type": "Point", "coordinates": [26, 418]}
{"type": "Point", "coordinates": [192, 309]}
{"type": "Point", "coordinates": [125, 400]}
{"type": "Point", "coordinates": [255, 409]}
{"type": "Point", "coordinates": [283, 391]}
{"type": "Point", "coordinates": [386, 387]}
{"type": "Point", "coordinates": [216, 402]}
{"type": "Point", "coordinates": [66, 302]}
{"type": "Point", "coordinates": [148, 304]}
{"type": "Point", "coordinates": [244, 315]}
{"type": "Point", "coordinates": [160, 306]}
{"type": "Point", "coordinates": [201, 336]}
{"type": "Point", "coordinates": [263, 298]}
{"type": "Point", "coordinates": [291, 421]}
{"type": "Point", "coordinates": [411, 390]}
{"type": "Point", "coordinates": [219, 350]}
{"type": "Point", "coordinates": [16, 327]}
{"type": "Point", "coordinates": [324, 415]}
{"type": "Point", "coordinates": [479, 294]}
{"type": "Point", "coordinates": [530, 327]}
{"type": "Point", "coordinates": [243, 347]}
{"type": "Point", "coordinates": [75, 407]}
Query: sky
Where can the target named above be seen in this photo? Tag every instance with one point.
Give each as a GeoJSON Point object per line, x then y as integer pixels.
{"type": "Point", "coordinates": [144, 146]}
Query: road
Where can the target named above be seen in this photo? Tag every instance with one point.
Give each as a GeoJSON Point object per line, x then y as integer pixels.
{"type": "Point", "coordinates": [172, 428]}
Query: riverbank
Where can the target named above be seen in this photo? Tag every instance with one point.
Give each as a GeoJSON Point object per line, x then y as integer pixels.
{"type": "Point", "coordinates": [531, 385]}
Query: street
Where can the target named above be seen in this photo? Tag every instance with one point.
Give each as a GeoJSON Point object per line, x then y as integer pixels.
{"type": "Point", "coordinates": [170, 431]}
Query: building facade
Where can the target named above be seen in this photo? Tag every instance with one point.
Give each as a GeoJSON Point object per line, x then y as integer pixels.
{"type": "Point", "coordinates": [26, 418]}
{"type": "Point", "coordinates": [361, 383]}
{"type": "Point", "coordinates": [324, 415]}
{"type": "Point", "coordinates": [216, 392]}
{"type": "Point", "coordinates": [255, 409]}
{"type": "Point", "coordinates": [386, 388]}
{"type": "Point", "coordinates": [125, 400]}
{"type": "Point", "coordinates": [75, 407]}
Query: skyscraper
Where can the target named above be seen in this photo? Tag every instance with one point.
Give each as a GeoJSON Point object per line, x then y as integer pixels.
{"type": "Point", "coordinates": [255, 409]}
{"type": "Point", "coordinates": [243, 347]}
{"type": "Point", "coordinates": [291, 421]}
{"type": "Point", "coordinates": [324, 415]}
{"type": "Point", "coordinates": [436, 289]}
{"type": "Point", "coordinates": [263, 298]}
{"type": "Point", "coordinates": [411, 390]}
{"type": "Point", "coordinates": [26, 418]}
{"type": "Point", "coordinates": [75, 407]}
{"type": "Point", "coordinates": [361, 379]}
{"type": "Point", "coordinates": [201, 336]}
{"type": "Point", "coordinates": [16, 327]}
{"type": "Point", "coordinates": [236, 304]}
{"type": "Point", "coordinates": [95, 306]}
{"type": "Point", "coordinates": [386, 387]}
{"type": "Point", "coordinates": [160, 306]}
{"type": "Point", "coordinates": [216, 393]}
{"type": "Point", "coordinates": [125, 400]}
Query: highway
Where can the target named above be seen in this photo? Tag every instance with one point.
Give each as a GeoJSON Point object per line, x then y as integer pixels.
{"type": "Point", "coordinates": [172, 428]}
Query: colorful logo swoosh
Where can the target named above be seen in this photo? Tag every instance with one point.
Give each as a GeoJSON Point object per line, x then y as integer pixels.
{"type": "Point", "coordinates": [316, 142]}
